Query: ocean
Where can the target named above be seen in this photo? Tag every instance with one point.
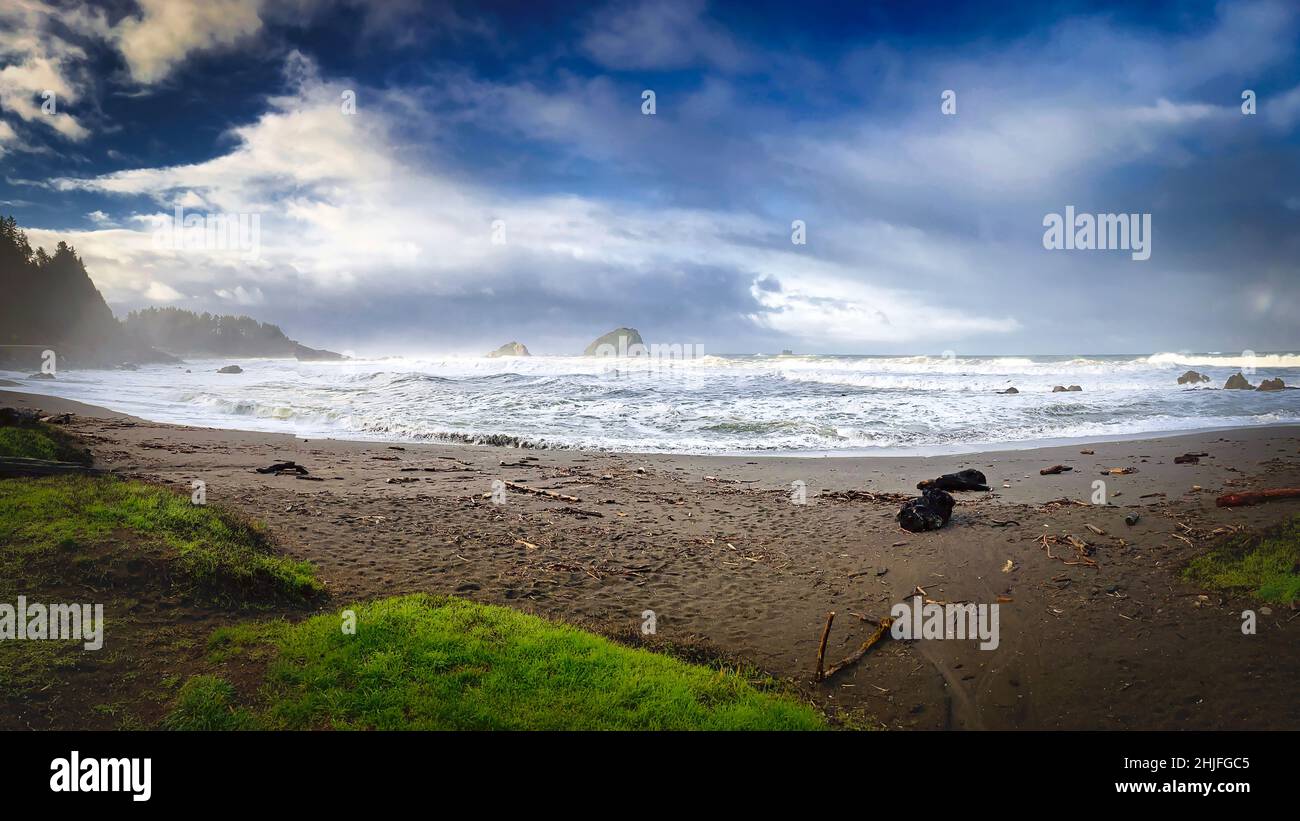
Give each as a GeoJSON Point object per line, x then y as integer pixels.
{"type": "Point", "coordinates": [751, 404]}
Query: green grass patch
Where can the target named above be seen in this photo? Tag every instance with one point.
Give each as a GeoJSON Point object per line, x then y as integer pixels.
{"type": "Point", "coordinates": [220, 553]}
{"type": "Point", "coordinates": [207, 703]}
{"type": "Point", "coordinates": [1265, 565]}
{"type": "Point", "coordinates": [429, 663]}
{"type": "Point", "coordinates": [41, 441]}
{"type": "Point", "coordinates": [246, 640]}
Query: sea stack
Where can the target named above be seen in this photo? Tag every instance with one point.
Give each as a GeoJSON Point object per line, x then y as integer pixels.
{"type": "Point", "coordinates": [511, 349]}
{"type": "Point", "coordinates": [1237, 382]}
{"type": "Point", "coordinates": [618, 342]}
{"type": "Point", "coordinates": [1272, 385]}
{"type": "Point", "coordinates": [1192, 376]}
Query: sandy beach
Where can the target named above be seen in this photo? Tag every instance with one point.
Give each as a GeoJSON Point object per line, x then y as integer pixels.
{"type": "Point", "coordinates": [718, 549]}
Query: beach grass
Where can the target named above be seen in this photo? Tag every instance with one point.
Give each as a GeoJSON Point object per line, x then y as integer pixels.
{"type": "Point", "coordinates": [219, 553]}
{"type": "Point", "coordinates": [1265, 565]}
{"type": "Point", "coordinates": [440, 663]}
{"type": "Point", "coordinates": [207, 703]}
{"type": "Point", "coordinates": [41, 441]}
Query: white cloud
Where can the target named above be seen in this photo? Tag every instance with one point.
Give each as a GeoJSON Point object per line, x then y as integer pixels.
{"type": "Point", "coordinates": [241, 295]}
{"type": "Point", "coordinates": [167, 31]}
{"type": "Point", "coordinates": [829, 309]}
{"type": "Point", "coordinates": [162, 292]}
{"type": "Point", "coordinates": [37, 61]}
{"type": "Point", "coordinates": [1282, 110]}
{"type": "Point", "coordinates": [345, 210]}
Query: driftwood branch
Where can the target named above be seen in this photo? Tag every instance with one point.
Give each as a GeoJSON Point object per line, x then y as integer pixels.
{"type": "Point", "coordinates": [538, 491]}
{"type": "Point", "coordinates": [880, 632]}
{"type": "Point", "coordinates": [821, 648]}
{"type": "Point", "coordinates": [281, 468]}
{"type": "Point", "coordinates": [1255, 497]}
{"type": "Point", "coordinates": [12, 467]}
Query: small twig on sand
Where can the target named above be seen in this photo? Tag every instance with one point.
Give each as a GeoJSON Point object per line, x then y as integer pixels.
{"type": "Point", "coordinates": [821, 648]}
{"type": "Point", "coordinates": [537, 491]}
{"type": "Point", "coordinates": [1080, 549]}
{"type": "Point", "coordinates": [862, 617]}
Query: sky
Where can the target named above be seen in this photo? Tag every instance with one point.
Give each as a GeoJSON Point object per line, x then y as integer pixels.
{"type": "Point", "coordinates": [445, 177]}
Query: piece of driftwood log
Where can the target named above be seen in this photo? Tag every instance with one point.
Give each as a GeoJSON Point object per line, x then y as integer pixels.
{"type": "Point", "coordinates": [1255, 497]}
{"type": "Point", "coordinates": [14, 467]}
{"type": "Point", "coordinates": [821, 647]}
{"type": "Point", "coordinates": [284, 467]}
{"type": "Point", "coordinates": [881, 631]}
{"type": "Point", "coordinates": [1054, 469]}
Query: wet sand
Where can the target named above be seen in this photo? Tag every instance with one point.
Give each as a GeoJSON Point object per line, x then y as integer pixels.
{"type": "Point", "coordinates": [719, 550]}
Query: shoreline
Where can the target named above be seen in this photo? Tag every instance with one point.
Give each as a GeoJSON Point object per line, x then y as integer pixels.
{"type": "Point", "coordinates": [956, 450]}
{"type": "Point", "coordinates": [718, 548]}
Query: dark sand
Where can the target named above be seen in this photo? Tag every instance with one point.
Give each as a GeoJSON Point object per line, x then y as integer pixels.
{"type": "Point", "coordinates": [715, 546]}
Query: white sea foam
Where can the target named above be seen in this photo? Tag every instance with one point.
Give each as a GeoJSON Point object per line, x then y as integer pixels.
{"type": "Point", "coordinates": [785, 404]}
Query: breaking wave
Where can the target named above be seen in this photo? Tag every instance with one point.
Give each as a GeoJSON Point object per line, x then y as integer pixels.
{"type": "Point", "coordinates": [712, 404]}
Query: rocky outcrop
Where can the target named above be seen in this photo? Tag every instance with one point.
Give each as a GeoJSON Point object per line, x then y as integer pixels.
{"type": "Point", "coordinates": [304, 354]}
{"type": "Point", "coordinates": [221, 336]}
{"type": "Point", "coordinates": [1272, 385]}
{"type": "Point", "coordinates": [1009, 390]}
{"type": "Point", "coordinates": [1237, 382]}
{"type": "Point", "coordinates": [618, 342]}
{"type": "Point", "coordinates": [511, 349]}
{"type": "Point", "coordinates": [230, 369]}
{"type": "Point", "coordinates": [1192, 377]}
{"type": "Point", "coordinates": [1063, 389]}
